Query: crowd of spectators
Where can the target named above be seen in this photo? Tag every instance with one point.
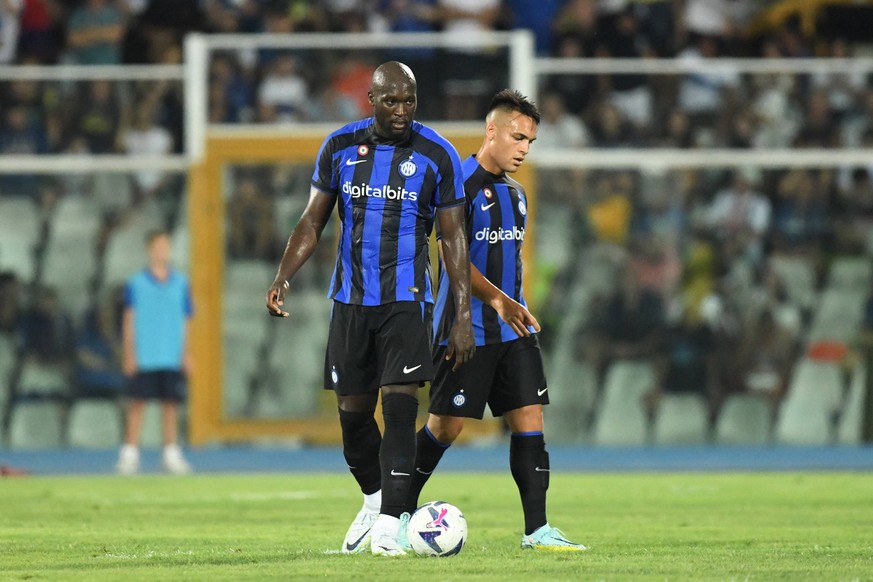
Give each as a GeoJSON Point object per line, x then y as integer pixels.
{"type": "Point", "coordinates": [711, 276]}
{"type": "Point", "coordinates": [704, 109]}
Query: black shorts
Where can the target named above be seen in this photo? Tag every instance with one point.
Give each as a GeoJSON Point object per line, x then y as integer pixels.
{"type": "Point", "coordinates": [506, 376]}
{"type": "Point", "coordinates": [373, 346]}
{"type": "Point", "coordinates": [158, 385]}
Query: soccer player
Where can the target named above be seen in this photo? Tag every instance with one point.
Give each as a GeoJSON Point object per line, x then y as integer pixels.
{"type": "Point", "coordinates": [389, 177]}
{"type": "Point", "coordinates": [156, 357]}
{"type": "Point", "coordinates": [507, 370]}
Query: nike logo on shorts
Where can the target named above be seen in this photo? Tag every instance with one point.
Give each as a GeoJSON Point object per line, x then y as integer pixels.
{"type": "Point", "coordinates": [538, 470]}
{"type": "Point", "coordinates": [352, 163]}
{"type": "Point", "coordinates": [398, 474]}
{"type": "Point", "coordinates": [407, 370]}
{"type": "Point", "coordinates": [541, 392]}
{"type": "Point", "coordinates": [484, 207]}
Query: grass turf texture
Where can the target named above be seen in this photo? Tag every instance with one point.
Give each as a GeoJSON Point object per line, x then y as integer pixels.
{"type": "Point", "coordinates": [657, 526]}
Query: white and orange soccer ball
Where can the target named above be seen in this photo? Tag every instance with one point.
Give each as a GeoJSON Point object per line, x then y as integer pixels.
{"type": "Point", "coordinates": [438, 529]}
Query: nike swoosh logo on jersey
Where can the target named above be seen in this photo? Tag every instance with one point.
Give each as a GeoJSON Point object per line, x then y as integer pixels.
{"type": "Point", "coordinates": [538, 470]}
{"type": "Point", "coordinates": [409, 370]}
{"type": "Point", "coordinates": [486, 207]}
{"type": "Point", "coordinates": [423, 472]}
{"type": "Point", "coordinates": [398, 474]}
{"type": "Point", "coordinates": [352, 163]}
{"type": "Point", "coordinates": [541, 392]}
{"type": "Point", "coordinates": [351, 547]}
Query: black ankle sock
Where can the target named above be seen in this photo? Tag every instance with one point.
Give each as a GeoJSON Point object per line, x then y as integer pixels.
{"type": "Point", "coordinates": [428, 452]}
{"type": "Point", "coordinates": [529, 463]}
{"type": "Point", "coordinates": [397, 455]}
{"type": "Point", "coordinates": [361, 442]}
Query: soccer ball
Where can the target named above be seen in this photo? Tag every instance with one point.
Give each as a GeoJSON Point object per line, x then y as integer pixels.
{"type": "Point", "coordinates": [437, 528]}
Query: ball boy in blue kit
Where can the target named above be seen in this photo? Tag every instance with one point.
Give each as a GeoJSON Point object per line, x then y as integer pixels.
{"type": "Point", "coordinates": [156, 357]}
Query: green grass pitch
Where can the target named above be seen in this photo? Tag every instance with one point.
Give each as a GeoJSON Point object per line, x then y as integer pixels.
{"type": "Point", "coordinates": [639, 526]}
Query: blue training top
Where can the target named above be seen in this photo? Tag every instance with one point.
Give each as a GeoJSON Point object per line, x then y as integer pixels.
{"type": "Point", "coordinates": [160, 310]}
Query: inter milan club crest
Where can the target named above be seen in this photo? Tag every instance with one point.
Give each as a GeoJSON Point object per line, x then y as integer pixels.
{"type": "Point", "coordinates": [407, 168]}
{"type": "Point", "coordinates": [363, 150]}
{"type": "Point", "coordinates": [334, 375]}
{"type": "Point", "coordinates": [459, 399]}
{"type": "Point", "coordinates": [521, 207]}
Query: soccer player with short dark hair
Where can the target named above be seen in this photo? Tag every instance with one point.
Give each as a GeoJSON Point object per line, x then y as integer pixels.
{"type": "Point", "coordinates": [389, 177]}
{"type": "Point", "coordinates": [506, 373]}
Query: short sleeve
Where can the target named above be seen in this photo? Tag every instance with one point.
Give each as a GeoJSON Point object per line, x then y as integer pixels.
{"type": "Point", "coordinates": [324, 177]}
{"type": "Point", "coordinates": [450, 188]}
{"type": "Point", "coordinates": [128, 298]}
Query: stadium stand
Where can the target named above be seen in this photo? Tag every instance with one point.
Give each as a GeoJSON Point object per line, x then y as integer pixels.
{"type": "Point", "coordinates": [744, 419]}
{"type": "Point", "coordinates": [809, 412]}
{"type": "Point", "coordinates": [621, 419]}
{"type": "Point", "coordinates": [682, 419]}
{"type": "Point", "coordinates": [94, 423]}
{"type": "Point", "coordinates": [38, 424]}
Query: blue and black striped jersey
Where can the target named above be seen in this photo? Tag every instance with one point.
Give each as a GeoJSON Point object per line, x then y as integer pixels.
{"type": "Point", "coordinates": [496, 219]}
{"type": "Point", "coordinates": [389, 194]}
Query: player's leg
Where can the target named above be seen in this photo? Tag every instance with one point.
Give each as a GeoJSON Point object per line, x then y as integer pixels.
{"type": "Point", "coordinates": [361, 443]}
{"type": "Point", "coordinates": [454, 396]}
{"type": "Point", "coordinates": [140, 389]}
{"type": "Point", "coordinates": [128, 456]}
{"type": "Point", "coordinates": [529, 462]}
{"type": "Point", "coordinates": [172, 392]}
{"type": "Point", "coordinates": [519, 393]}
{"type": "Point", "coordinates": [432, 441]}
{"type": "Point", "coordinates": [404, 363]}
{"type": "Point", "coordinates": [397, 461]}
{"type": "Point", "coordinates": [350, 373]}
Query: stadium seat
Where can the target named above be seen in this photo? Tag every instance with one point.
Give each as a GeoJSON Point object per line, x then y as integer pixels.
{"type": "Point", "coordinates": [808, 410]}
{"type": "Point", "coordinates": [744, 419]}
{"type": "Point", "coordinates": [74, 231]}
{"type": "Point", "coordinates": [852, 417]}
{"type": "Point", "coordinates": [95, 424]}
{"type": "Point", "coordinates": [572, 394]}
{"type": "Point", "coordinates": [681, 419]}
{"type": "Point", "coordinates": [42, 378]}
{"type": "Point", "coordinates": [7, 362]}
{"type": "Point", "coordinates": [297, 359]}
{"type": "Point", "coordinates": [837, 315]}
{"type": "Point", "coordinates": [621, 418]}
{"type": "Point", "coordinates": [850, 273]}
{"type": "Point", "coordinates": [798, 277]}
{"type": "Point", "coordinates": [37, 424]}
{"type": "Point", "coordinates": [19, 234]}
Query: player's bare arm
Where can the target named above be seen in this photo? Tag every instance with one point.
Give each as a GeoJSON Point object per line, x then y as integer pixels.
{"type": "Point", "coordinates": [456, 257]}
{"type": "Point", "coordinates": [128, 342]}
{"type": "Point", "coordinates": [300, 246]}
{"type": "Point", "coordinates": [508, 309]}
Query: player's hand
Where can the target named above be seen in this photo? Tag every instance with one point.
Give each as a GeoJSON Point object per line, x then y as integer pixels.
{"type": "Point", "coordinates": [516, 316]}
{"type": "Point", "coordinates": [462, 345]}
{"type": "Point", "coordinates": [276, 298]}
